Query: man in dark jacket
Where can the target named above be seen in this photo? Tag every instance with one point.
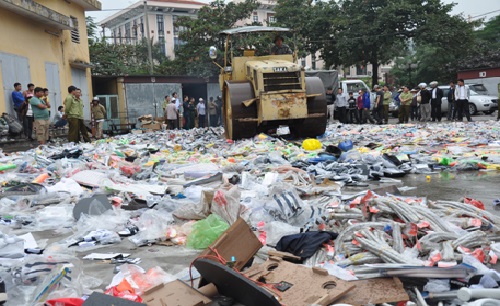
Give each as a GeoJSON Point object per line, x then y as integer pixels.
{"type": "Point", "coordinates": [436, 100]}
{"type": "Point", "coordinates": [452, 107]}
{"type": "Point", "coordinates": [424, 96]}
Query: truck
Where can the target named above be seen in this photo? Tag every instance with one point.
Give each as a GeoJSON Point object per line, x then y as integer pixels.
{"type": "Point", "coordinates": [262, 93]}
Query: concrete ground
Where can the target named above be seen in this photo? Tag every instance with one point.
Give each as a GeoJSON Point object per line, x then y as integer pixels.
{"type": "Point", "coordinates": [173, 259]}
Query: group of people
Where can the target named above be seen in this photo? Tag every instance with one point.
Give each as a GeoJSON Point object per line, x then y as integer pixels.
{"type": "Point", "coordinates": [416, 104]}
{"type": "Point", "coordinates": [32, 108]}
{"type": "Point", "coordinates": [185, 114]}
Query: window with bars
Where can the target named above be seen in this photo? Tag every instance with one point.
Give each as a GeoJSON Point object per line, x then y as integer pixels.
{"type": "Point", "coordinates": [255, 18]}
{"type": "Point", "coordinates": [160, 23]}
{"type": "Point", "coordinates": [127, 33]}
{"type": "Point", "coordinates": [271, 19]}
{"type": "Point", "coordinates": [161, 41]}
{"type": "Point", "coordinates": [134, 28]}
{"type": "Point", "coordinates": [75, 32]}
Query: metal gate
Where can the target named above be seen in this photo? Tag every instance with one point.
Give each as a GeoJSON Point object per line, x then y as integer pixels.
{"type": "Point", "coordinates": [110, 102]}
{"type": "Point", "coordinates": [15, 68]}
{"type": "Point", "coordinates": [53, 85]}
{"type": "Point", "coordinates": [147, 98]}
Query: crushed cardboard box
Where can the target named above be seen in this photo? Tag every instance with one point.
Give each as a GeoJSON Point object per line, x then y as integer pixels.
{"type": "Point", "coordinates": [229, 245]}
{"type": "Point", "coordinates": [175, 293]}
{"type": "Point", "coordinates": [300, 285]}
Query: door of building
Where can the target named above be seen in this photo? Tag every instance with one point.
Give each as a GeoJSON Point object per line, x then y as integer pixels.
{"type": "Point", "coordinates": [110, 102]}
{"type": "Point", "coordinates": [54, 86]}
{"type": "Point", "coordinates": [79, 79]}
{"type": "Point", "coordinates": [14, 68]}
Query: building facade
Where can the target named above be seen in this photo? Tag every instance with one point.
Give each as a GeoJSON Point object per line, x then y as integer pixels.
{"type": "Point", "coordinates": [130, 25]}
{"type": "Point", "coordinates": [44, 42]}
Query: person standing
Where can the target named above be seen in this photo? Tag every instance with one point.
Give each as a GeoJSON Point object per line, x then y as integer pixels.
{"type": "Point", "coordinates": [366, 107]}
{"type": "Point", "coordinates": [386, 103]}
{"type": "Point", "coordinates": [342, 105]}
{"type": "Point", "coordinates": [27, 118]}
{"type": "Point", "coordinates": [330, 104]}
{"type": "Point", "coordinates": [191, 113]}
{"type": "Point", "coordinates": [171, 115]}
{"type": "Point", "coordinates": [360, 106]}
{"type": "Point", "coordinates": [18, 100]}
{"type": "Point", "coordinates": [352, 111]}
{"type": "Point", "coordinates": [414, 115]}
{"type": "Point", "coordinates": [201, 110]}
{"type": "Point", "coordinates": [98, 112]}
{"type": "Point", "coordinates": [379, 106]}
{"type": "Point", "coordinates": [185, 112]}
{"type": "Point", "coordinates": [425, 98]}
{"type": "Point", "coordinates": [462, 94]}
{"type": "Point", "coordinates": [41, 115]}
{"type": "Point", "coordinates": [166, 101]}
{"type": "Point", "coordinates": [74, 112]}
{"type": "Point", "coordinates": [30, 92]}
{"type": "Point", "coordinates": [452, 103]}
{"type": "Point", "coordinates": [436, 101]}
{"type": "Point", "coordinates": [220, 113]}
{"type": "Point", "coordinates": [405, 99]}
{"type": "Point", "coordinates": [212, 112]}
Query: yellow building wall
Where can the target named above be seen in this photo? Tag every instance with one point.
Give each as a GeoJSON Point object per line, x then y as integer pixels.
{"type": "Point", "coordinates": [29, 38]}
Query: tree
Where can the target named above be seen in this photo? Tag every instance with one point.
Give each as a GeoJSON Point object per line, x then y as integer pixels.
{"type": "Point", "coordinates": [312, 24]}
{"type": "Point", "coordinates": [489, 35]}
{"type": "Point", "coordinates": [201, 33]}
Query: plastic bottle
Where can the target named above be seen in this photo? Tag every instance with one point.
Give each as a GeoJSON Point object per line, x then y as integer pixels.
{"type": "Point", "coordinates": [4, 167]}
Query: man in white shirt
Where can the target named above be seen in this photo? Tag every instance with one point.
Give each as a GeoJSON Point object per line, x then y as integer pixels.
{"type": "Point", "coordinates": [342, 105]}
{"type": "Point", "coordinates": [462, 95]}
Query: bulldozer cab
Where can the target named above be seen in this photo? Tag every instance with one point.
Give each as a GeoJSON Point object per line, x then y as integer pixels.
{"type": "Point", "coordinates": [262, 91]}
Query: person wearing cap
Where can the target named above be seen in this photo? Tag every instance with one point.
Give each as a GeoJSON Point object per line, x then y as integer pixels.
{"type": "Point", "coordinates": [279, 47]}
{"type": "Point", "coordinates": [414, 111]}
{"type": "Point", "coordinates": [171, 115]}
{"type": "Point", "coordinates": [74, 112]}
{"type": "Point", "coordinates": [404, 108]}
{"type": "Point", "coordinates": [201, 110]}
{"type": "Point", "coordinates": [436, 101]}
{"type": "Point", "coordinates": [424, 98]}
{"type": "Point", "coordinates": [98, 113]}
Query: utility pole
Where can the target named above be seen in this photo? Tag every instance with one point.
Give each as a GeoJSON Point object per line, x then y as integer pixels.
{"type": "Point", "coordinates": [150, 53]}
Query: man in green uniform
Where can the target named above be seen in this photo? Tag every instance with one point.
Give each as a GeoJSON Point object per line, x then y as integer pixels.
{"type": "Point", "coordinates": [404, 109]}
{"type": "Point", "coordinates": [74, 112]}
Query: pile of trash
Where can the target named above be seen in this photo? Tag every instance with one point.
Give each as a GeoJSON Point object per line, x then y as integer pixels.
{"type": "Point", "coordinates": [263, 221]}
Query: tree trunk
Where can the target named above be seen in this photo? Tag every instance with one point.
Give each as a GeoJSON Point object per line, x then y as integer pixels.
{"type": "Point", "coordinates": [374, 73]}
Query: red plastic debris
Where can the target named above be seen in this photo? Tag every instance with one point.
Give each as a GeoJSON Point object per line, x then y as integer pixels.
{"type": "Point", "coordinates": [474, 202]}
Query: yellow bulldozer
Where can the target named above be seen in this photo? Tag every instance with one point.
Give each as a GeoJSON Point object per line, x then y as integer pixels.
{"type": "Point", "coordinates": [262, 93]}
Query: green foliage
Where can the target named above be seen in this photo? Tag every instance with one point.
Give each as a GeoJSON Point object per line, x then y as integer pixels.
{"type": "Point", "coordinates": [125, 59]}
{"type": "Point", "coordinates": [203, 32]}
{"type": "Point", "coordinates": [91, 29]}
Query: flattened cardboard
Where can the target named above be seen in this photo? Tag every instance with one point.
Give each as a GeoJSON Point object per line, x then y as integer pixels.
{"type": "Point", "coordinates": [308, 286]}
{"type": "Point", "coordinates": [232, 284]}
{"type": "Point", "coordinates": [375, 291]}
{"type": "Point", "coordinates": [175, 293]}
{"type": "Point", "coordinates": [101, 299]}
{"type": "Point", "coordinates": [152, 126]}
{"type": "Point", "coordinates": [239, 242]}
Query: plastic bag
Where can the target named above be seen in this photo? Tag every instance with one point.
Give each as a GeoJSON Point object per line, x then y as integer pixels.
{"type": "Point", "coordinates": [226, 203]}
{"type": "Point", "coordinates": [437, 285]}
{"type": "Point", "coordinates": [206, 231]}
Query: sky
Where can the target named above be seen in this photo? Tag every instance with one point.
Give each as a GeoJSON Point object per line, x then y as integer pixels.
{"type": "Point", "coordinates": [471, 8]}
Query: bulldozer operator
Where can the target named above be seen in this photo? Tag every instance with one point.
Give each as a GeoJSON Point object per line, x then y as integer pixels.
{"type": "Point", "coordinates": [279, 47]}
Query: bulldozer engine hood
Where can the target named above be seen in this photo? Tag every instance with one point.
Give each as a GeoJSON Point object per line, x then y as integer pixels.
{"type": "Point", "coordinates": [272, 66]}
